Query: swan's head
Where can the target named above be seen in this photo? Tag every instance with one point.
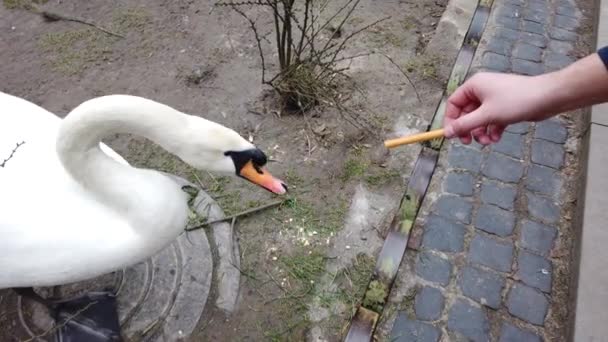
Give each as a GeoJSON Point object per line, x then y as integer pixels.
{"type": "Point", "coordinates": [219, 149]}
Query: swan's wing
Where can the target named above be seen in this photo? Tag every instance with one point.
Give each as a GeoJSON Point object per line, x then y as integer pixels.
{"type": "Point", "coordinates": [49, 228]}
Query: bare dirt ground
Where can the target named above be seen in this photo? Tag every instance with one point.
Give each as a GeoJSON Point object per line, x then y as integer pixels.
{"type": "Point", "coordinates": [305, 263]}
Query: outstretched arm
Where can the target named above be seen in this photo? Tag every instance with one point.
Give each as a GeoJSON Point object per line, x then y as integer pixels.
{"type": "Point", "coordinates": [488, 102]}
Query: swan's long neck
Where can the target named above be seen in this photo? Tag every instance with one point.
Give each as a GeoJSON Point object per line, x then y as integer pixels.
{"type": "Point", "coordinates": [129, 191]}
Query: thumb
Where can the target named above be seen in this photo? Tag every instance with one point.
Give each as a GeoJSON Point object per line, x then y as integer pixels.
{"type": "Point", "coordinates": [466, 123]}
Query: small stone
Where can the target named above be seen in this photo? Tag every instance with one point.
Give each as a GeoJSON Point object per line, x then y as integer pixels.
{"type": "Point", "coordinates": [491, 253]}
{"type": "Point", "coordinates": [507, 33]}
{"type": "Point", "coordinates": [528, 304]}
{"type": "Point", "coordinates": [469, 320]}
{"type": "Point", "coordinates": [511, 144]}
{"type": "Point", "coordinates": [499, 194]}
{"type": "Point", "coordinates": [560, 46]}
{"type": "Point", "coordinates": [519, 128]}
{"type": "Point", "coordinates": [547, 153]}
{"type": "Point", "coordinates": [541, 17]}
{"type": "Point", "coordinates": [542, 208]}
{"type": "Point", "coordinates": [511, 333]}
{"type": "Point", "coordinates": [495, 220]}
{"type": "Point", "coordinates": [500, 46]}
{"type": "Point", "coordinates": [429, 304]}
{"type": "Point", "coordinates": [482, 286]}
{"type": "Point", "coordinates": [459, 183]}
{"type": "Point", "coordinates": [551, 130]}
{"type": "Point", "coordinates": [461, 157]}
{"type": "Point", "coordinates": [406, 330]}
{"type": "Point", "coordinates": [527, 52]}
{"type": "Point", "coordinates": [543, 180]}
{"type": "Point", "coordinates": [433, 268]}
{"type": "Point", "coordinates": [534, 271]}
{"type": "Point", "coordinates": [530, 68]}
{"type": "Point", "coordinates": [512, 23]}
{"type": "Point", "coordinates": [455, 208]}
{"type": "Point", "coordinates": [557, 60]}
{"type": "Point", "coordinates": [495, 61]}
{"type": "Point", "coordinates": [537, 237]}
{"type": "Point", "coordinates": [561, 34]}
{"type": "Point", "coordinates": [565, 22]}
{"type": "Point", "coordinates": [443, 235]}
{"type": "Point", "coordinates": [503, 168]}
{"type": "Point", "coordinates": [533, 27]}
{"type": "Point", "coordinates": [534, 39]}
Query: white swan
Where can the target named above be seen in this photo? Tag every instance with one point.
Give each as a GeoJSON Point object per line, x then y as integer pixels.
{"type": "Point", "coordinates": [72, 209]}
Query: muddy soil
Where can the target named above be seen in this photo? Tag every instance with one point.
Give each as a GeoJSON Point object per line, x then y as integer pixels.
{"type": "Point", "coordinates": [305, 263]}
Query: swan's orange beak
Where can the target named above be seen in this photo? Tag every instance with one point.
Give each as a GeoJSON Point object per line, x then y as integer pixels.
{"type": "Point", "coordinates": [262, 178]}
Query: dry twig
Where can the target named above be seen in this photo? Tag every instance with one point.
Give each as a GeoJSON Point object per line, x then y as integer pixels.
{"type": "Point", "coordinates": [54, 16]}
{"type": "Point", "coordinates": [243, 213]}
{"type": "Point", "coordinates": [12, 154]}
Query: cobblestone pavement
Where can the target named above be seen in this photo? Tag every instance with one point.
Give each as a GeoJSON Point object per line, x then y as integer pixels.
{"type": "Point", "coordinates": [484, 264]}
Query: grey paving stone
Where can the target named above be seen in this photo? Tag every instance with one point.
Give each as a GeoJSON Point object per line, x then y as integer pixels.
{"type": "Point", "coordinates": [519, 128]}
{"type": "Point", "coordinates": [560, 46]}
{"type": "Point", "coordinates": [551, 130]}
{"type": "Point", "coordinates": [565, 22]}
{"type": "Point", "coordinates": [534, 39]}
{"type": "Point", "coordinates": [533, 27]}
{"type": "Point", "coordinates": [469, 320]}
{"type": "Point", "coordinates": [464, 158]}
{"type": "Point", "coordinates": [433, 268]}
{"type": "Point", "coordinates": [547, 153]}
{"type": "Point", "coordinates": [495, 62]}
{"type": "Point", "coordinates": [509, 10]}
{"type": "Point", "coordinates": [482, 286]}
{"type": "Point", "coordinates": [499, 194]}
{"type": "Point", "coordinates": [534, 271]}
{"type": "Point", "coordinates": [537, 237]}
{"type": "Point", "coordinates": [428, 304]}
{"type": "Point", "coordinates": [543, 180]}
{"type": "Point", "coordinates": [543, 208]}
{"type": "Point", "coordinates": [443, 234]}
{"type": "Point", "coordinates": [491, 253]}
{"type": "Point", "coordinates": [494, 220]}
{"type": "Point", "coordinates": [541, 17]}
{"type": "Point", "coordinates": [528, 304]}
{"type": "Point", "coordinates": [511, 144]}
{"type": "Point", "coordinates": [460, 183]}
{"type": "Point", "coordinates": [511, 333]}
{"type": "Point", "coordinates": [499, 46]}
{"type": "Point", "coordinates": [512, 23]}
{"type": "Point", "coordinates": [507, 33]}
{"type": "Point", "coordinates": [557, 60]}
{"type": "Point", "coordinates": [407, 330]}
{"type": "Point", "coordinates": [502, 168]}
{"type": "Point", "coordinates": [455, 208]}
{"type": "Point", "coordinates": [540, 5]}
{"type": "Point", "coordinates": [524, 67]}
{"type": "Point", "coordinates": [567, 10]}
{"type": "Point", "coordinates": [561, 34]}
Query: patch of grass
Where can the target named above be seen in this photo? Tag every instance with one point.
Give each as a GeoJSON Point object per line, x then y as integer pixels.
{"type": "Point", "coordinates": [293, 178]}
{"type": "Point", "coordinates": [304, 268]}
{"type": "Point", "coordinates": [382, 177]}
{"type": "Point", "coordinates": [70, 52]}
{"type": "Point", "coordinates": [23, 4]}
{"type": "Point", "coordinates": [375, 296]}
{"type": "Point", "coordinates": [408, 24]}
{"type": "Point", "coordinates": [353, 168]}
{"type": "Point", "coordinates": [130, 19]}
{"type": "Point", "coordinates": [425, 66]}
{"type": "Point", "coordinates": [381, 36]}
{"type": "Point", "coordinates": [302, 215]}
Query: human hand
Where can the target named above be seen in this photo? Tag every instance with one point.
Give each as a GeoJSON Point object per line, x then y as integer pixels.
{"type": "Point", "coordinates": [487, 103]}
